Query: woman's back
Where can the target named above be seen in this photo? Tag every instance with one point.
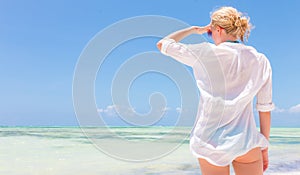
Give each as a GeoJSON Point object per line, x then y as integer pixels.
{"type": "Point", "coordinates": [228, 76]}
{"type": "Point", "coordinates": [243, 70]}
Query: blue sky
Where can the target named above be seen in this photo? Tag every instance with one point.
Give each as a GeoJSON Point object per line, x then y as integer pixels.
{"type": "Point", "coordinates": [41, 41]}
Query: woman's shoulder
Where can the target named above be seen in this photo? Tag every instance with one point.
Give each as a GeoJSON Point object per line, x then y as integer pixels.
{"type": "Point", "coordinates": [259, 56]}
{"type": "Point", "coordinates": [250, 49]}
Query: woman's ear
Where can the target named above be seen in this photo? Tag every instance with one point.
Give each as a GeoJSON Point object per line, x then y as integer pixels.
{"type": "Point", "coordinates": [218, 29]}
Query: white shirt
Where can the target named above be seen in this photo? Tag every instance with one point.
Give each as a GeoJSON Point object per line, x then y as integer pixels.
{"type": "Point", "coordinates": [228, 76]}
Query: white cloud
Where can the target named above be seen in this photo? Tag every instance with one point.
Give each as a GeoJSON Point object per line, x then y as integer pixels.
{"type": "Point", "coordinates": [178, 109]}
{"type": "Point", "coordinates": [295, 109]}
{"type": "Point", "coordinates": [166, 109]}
{"type": "Point", "coordinates": [100, 110]}
{"type": "Point", "coordinates": [279, 110]}
{"type": "Point", "coordinates": [113, 110]}
{"type": "Point", "coordinates": [109, 110]}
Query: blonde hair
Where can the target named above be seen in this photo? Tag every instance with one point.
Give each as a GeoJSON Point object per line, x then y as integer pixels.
{"type": "Point", "coordinates": [232, 21]}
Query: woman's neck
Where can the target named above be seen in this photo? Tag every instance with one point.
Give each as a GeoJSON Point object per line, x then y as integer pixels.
{"type": "Point", "coordinates": [229, 38]}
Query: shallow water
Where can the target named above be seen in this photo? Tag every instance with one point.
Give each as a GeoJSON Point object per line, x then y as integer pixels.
{"type": "Point", "coordinates": [67, 150]}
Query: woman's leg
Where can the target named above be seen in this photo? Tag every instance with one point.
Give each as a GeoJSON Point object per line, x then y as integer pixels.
{"type": "Point", "coordinates": [249, 163]}
{"type": "Point", "coordinates": [210, 169]}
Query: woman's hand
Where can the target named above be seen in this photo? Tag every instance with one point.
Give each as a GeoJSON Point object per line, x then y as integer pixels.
{"type": "Point", "coordinates": [265, 125]}
{"type": "Point", "coordinates": [265, 159]}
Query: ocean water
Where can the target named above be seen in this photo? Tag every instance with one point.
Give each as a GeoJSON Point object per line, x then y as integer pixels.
{"type": "Point", "coordinates": [69, 150]}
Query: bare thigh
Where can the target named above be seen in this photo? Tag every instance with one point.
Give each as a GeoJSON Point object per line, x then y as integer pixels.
{"type": "Point", "coordinates": [210, 169]}
{"type": "Point", "coordinates": [249, 163]}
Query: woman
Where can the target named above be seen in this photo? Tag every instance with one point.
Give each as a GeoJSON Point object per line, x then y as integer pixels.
{"type": "Point", "coordinates": [229, 75]}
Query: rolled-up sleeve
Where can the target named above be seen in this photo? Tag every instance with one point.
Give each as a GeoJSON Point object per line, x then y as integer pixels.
{"type": "Point", "coordinates": [264, 96]}
{"type": "Point", "coordinates": [178, 51]}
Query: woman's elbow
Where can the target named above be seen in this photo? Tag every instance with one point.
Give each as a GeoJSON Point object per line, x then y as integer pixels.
{"type": "Point", "coordinates": [158, 45]}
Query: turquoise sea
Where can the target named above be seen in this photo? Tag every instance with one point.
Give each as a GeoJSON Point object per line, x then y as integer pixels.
{"type": "Point", "coordinates": [70, 150]}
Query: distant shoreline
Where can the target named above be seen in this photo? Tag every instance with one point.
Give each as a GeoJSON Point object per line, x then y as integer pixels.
{"type": "Point", "coordinates": [62, 126]}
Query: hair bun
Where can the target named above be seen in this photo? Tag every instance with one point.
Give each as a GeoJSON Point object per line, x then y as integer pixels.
{"type": "Point", "coordinates": [238, 22]}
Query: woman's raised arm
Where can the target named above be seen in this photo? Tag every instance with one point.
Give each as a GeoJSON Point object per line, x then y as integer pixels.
{"type": "Point", "coordinates": [180, 34]}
